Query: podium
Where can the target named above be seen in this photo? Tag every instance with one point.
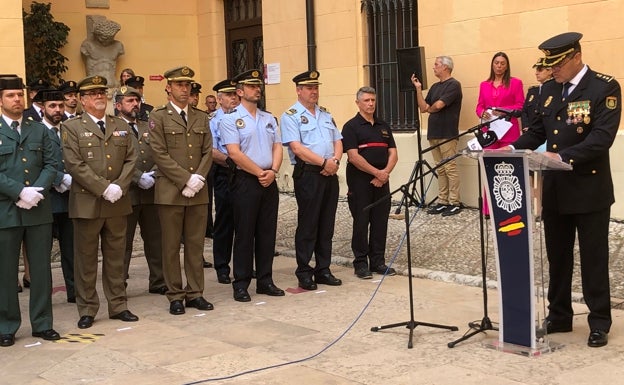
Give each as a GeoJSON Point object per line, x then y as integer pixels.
{"type": "Point", "coordinates": [508, 190]}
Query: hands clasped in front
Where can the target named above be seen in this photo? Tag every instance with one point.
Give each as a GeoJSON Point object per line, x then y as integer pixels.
{"type": "Point", "coordinates": [29, 197]}
{"type": "Point", "coordinates": [112, 193]}
{"type": "Point", "coordinates": [193, 185]}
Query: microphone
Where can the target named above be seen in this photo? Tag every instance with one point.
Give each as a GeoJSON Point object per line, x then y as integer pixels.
{"type": "Point", "coordinates": [508, 112]}
{"type": "Point", "coordinates": [487, 138]}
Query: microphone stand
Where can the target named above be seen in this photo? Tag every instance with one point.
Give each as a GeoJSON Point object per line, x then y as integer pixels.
{"type": "Point", "coordinates": [486, 323]}
{"type": "Point", "coordinates": [411, 324]}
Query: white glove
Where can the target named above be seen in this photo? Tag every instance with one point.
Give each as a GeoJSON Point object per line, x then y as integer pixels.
{"type": "Point", "coordinates": [67, 181]}
{"type": "Point", "coordinates": [31, 195]}
{"type": "Point", "coordinates": [23, 205]}
{"type": "Point", "coordinates": [196, 182]}
{"type": "Point", "coordinates": [188, 192]}
{"type": "Point", "coordinates": [112, 193]}
{"type": "Point", "coordinates": [147, 180]}
{"type": "Point", "coordinates": [61, 188]}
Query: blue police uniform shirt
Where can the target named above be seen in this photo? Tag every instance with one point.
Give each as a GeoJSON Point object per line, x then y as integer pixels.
{"type": "Point", "coordinates": [217, 141]}
{"type": "Point", "coordinates": [316, 132]}
{"type": "Point", "coordinates": [255, 136]}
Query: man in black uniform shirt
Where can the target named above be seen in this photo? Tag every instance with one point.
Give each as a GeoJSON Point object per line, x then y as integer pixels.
{"type": "Point", "coordinates": [35, 111]}
{"type": "Point", "coordinates": [531, 101]}
{"type": "Point", "coordinates": [372, 155]}
{"type": "Point", "coordinates": [580, 114]}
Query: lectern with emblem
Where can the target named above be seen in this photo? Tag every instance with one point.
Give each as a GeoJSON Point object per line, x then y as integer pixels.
{"type": "Point", "coordinates": [508, 188]}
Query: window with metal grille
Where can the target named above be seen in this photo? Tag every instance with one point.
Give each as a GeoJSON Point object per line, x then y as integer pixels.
{"type": "Point", "coordinates": [392, 24]}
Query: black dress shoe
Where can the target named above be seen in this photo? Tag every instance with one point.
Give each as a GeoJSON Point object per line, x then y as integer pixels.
{"type": "Point", "coordinates": [383, 270]}
{"type": "Point", "coordinates": [176, 307]}
{"type": "Point", "coordinates": [125, 316]}
{"type": "Point", "coordinates": [199, 303]}
{"type": "Point", "coordinates": [159, 290]}
{"type": "Point", "coordinates": [307, 284]}
{"type": "Point", "coordinates": [207, 264]}
{"type": "Point", "coordinates": [241, 295]}
{"type": "Point", "coordinates": [48, 335]}
{"type": "Point", "coordinates": [7, 339]}
{"type": "Point", "coordinates": [597, 338]}
{"type": "Point", "coordinates": [327, 279]}
{"type": "Point", "coordinates": [224, 278]}
{"type": "Point", "coordinates": [271, 290]}
{"type": "Point", "coordinates": [85, 322]}
{"type": "Point", "coordinates": [557, 327]}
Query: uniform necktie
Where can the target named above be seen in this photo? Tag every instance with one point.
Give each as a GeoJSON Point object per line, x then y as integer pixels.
{"type": "Point", "coordinates": [41, 113]}
{"type": "Point", "coordinates": [183, 115]}
{"type": "Point", "coordinates": [134, 128]}
{"type": "Point", "coordinates": [14, 126]}
{"type": "Point", "coordinates": [101, 124]}
{"type": "Point", "coordinates": [566, 88]}
{"type": "Point", "coordinates": [71, 116]}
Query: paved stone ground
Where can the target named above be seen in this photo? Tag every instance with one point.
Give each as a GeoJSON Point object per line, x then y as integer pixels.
{"type": "Point", "coordinates": [446, 248]}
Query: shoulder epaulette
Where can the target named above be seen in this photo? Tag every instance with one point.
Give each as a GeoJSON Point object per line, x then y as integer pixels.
{"type": "Point", "coordinates": [212, 114]}
{"type": "Point", "coordinates": [533, 87]}
{"type": "Point", "coordinates": [231, 111]}
{"type": "Point", "coordinates": [603, 77]}
{"type": "Point", "coordinates": [291, 111]}
{"type": "Point", "coordinates": [323, 109]}
{"type": "Point", "coordinates": [161, 107]}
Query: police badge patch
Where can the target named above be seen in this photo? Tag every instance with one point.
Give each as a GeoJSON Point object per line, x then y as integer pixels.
{"type": "Point", "coordinates": [304, 120]}
{"type": "Point", "coordinates": [240, 123]}
{"type": "Point", "coordinates": [611, 102]}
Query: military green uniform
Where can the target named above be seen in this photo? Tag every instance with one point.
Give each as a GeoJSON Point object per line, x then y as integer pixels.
{"type": "Point", "coordinates": [26, 160]}
{"type": "Point", "coordinates": [95, 160]}
{"type": "Point", "coordinates": [145, 213]}
{"type": "Point", "coordinates": [179, 151]}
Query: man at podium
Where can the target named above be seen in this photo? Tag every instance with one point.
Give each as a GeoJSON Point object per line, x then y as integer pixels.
{"type": "Point", "coordinates": [578, 115]}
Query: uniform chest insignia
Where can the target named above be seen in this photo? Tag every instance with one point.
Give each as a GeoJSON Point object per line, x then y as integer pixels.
{"type": "Point", "coordinates": [120, 133]}
{"type": "Point", "coordinates": [64, 136]}
{"type": "Point", "coordinates": [145, 134]}
{"type": "Point", "coordinates": [240, 123]}
{"type": "Point", "coordinates": [578, 112]}
{"type": "Point", "coordinates": [531, 98]}
{"type": "Point", "coordinates": [548, 101]}
{"type": "Point", "coordinates": [270, 125]}
{"type": "Point", "coordinates": [304, 120]}
{"type": "Point", "coordinates": [89, 155]}
{"type": "Point", "coordinates": [611, 102]}
{"type": "Point", "coordinates": [86, 134]}
{"type": "Point", "coordinates": [579, 130]}
{"type": "Point", "coordinates": [384, 132]}
{"type": "Point", "coordinates": [291, 111]}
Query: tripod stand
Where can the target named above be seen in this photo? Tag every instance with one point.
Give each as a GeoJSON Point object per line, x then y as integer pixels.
{"type": "Point", "coordinates": [418, 175]}
{"type": "Point", "coordinates": [411, 324]}
{"type": "Point", "coordinates": [486, 323]}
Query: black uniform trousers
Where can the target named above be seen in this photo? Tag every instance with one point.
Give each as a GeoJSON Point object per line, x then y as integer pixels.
{"type": "Point", "coordinates": [370, 227]}
{"type": "Point", "coordinates": [317, 201]}
{"type": "Point", "coordinates": [210, 187]}
{"type": "Point", "coordinates": [38, 241]}
{"type": "Point", "coordinates": [223, 236]}
{"type": "Point", "coordinates": [63, 230]}
{"type": "Point", "coordinates": [146, 215]}
{"type": "Point", "coordinates": [593, 237]}
{"type": "Point", "coordinates": [255, 224]}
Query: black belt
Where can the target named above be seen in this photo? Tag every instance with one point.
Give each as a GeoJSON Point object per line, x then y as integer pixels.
{"type": "Point", "coordinates": [312, 168]}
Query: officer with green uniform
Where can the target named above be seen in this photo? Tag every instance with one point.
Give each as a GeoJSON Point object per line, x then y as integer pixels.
{"type": "Point", "coordinates": [182, 148]}
{"type": "Point", "coordinates": [27, 169]}
{"type": "Point", "coordinates": [100, 155]}
{"type": "Point", "coordinates": [144, 211]}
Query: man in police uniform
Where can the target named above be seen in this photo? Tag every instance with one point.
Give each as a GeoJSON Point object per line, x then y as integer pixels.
{"type": "Point", "coordinates": [195, 91]}
{"type": "Point", "coordinates": [531, 101]}
{"type": "Point", "coordinates": [35, 112]}
{"type": "Point", "coordinates": [28, 168]}
{"type": "Point", "coordinates": [182, 149]}
{"type": "Point", "coordinates": [315, 148]}
{"type": "Point", "coordinates": [138, 82]}
{"type": "Point", "coordinates": [69, 89]}
{"type": "Point", "coordinates": [580, 113]}
{"type": "Point", "coordinates": [223, 235]}
{"type": "Point", "coordinates": [100, 155]}
{"type": "Point", "coordinates": [252, 139]}
{"type": "Point", "coordinates": [53, 105]}
{"type": "Point", "coordinates": [144, 211]}
{"type": "Point", "coordinates": [372, 155]}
